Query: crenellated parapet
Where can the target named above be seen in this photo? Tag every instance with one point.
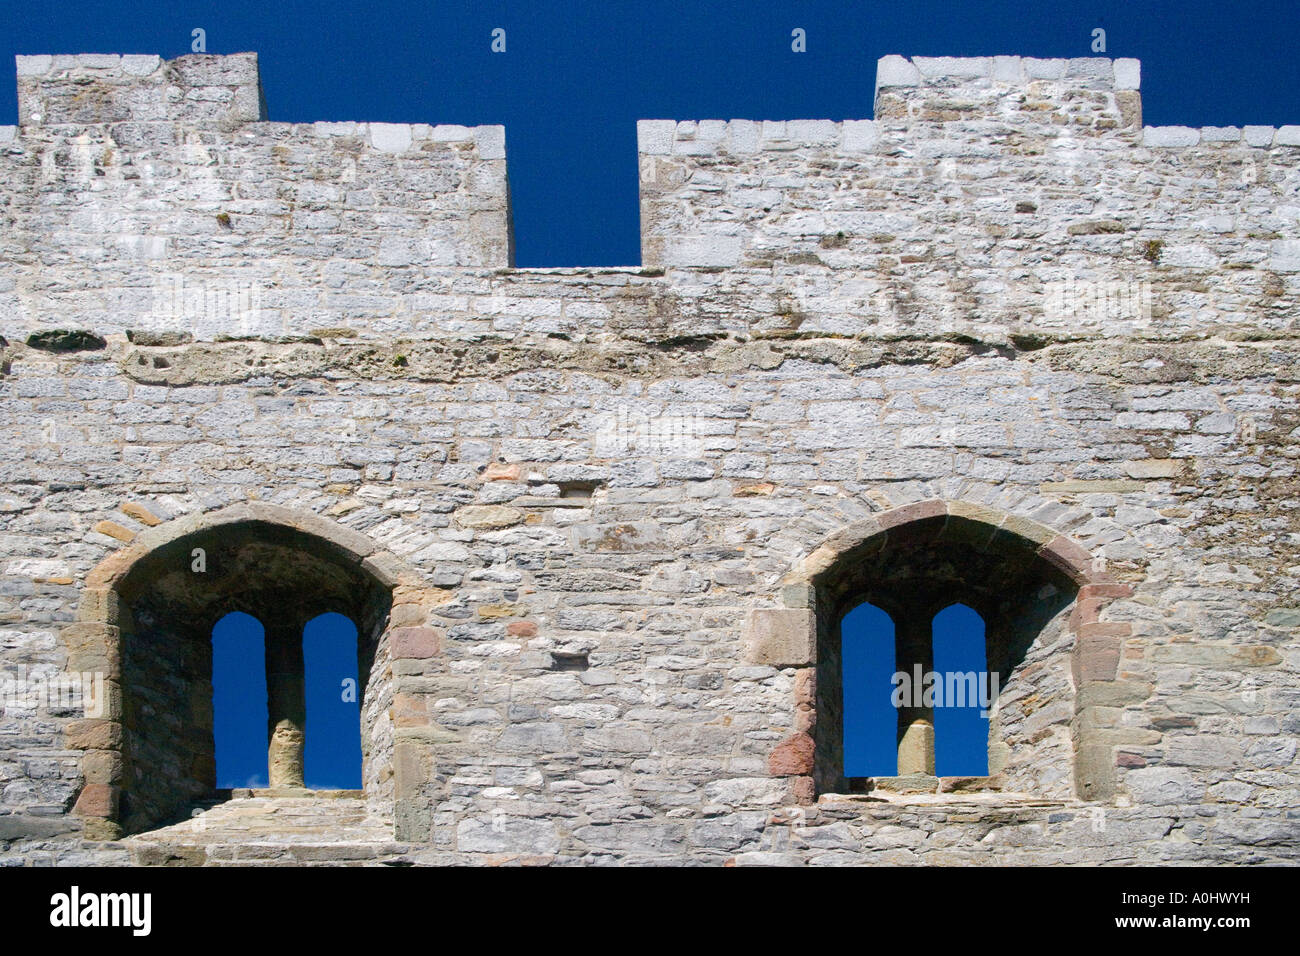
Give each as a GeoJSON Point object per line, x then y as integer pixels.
{"type": "Point", "coordinates": [93, 88]}
{"type": "Point", "coordinates": [994, 197]}
{"type": "Point", "coordinates": [997, 198]}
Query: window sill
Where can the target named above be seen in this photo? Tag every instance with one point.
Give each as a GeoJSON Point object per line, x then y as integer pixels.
{"type": "Point", "coordinates": [244, 793]}
{"type": "Point", "coordinates": [923, 790]}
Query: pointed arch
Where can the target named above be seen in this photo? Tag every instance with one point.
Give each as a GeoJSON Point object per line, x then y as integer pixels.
{"type": "Point", "coordinates": [1042, 590]}
{"type": "Point", "coordinates": [145, 620]}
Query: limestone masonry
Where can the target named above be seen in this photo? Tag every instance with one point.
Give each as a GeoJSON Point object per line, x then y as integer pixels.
{"type": "Point", "coordinates": [1000, 344]}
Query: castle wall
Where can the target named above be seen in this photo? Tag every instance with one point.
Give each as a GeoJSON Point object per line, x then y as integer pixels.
{"type": "Point", "coordinates": [171, 221]}
{"type": "Point", "coordinates": [598, 475]}
{"type": "Point", "coordinates": [989, 197]}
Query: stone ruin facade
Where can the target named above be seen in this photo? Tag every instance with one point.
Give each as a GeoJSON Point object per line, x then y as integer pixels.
{"type": "Point", "coordinates": [597, 527]}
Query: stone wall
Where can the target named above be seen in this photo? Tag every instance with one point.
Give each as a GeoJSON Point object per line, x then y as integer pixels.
{"type": "Point", "coordinates": [1001, 304]}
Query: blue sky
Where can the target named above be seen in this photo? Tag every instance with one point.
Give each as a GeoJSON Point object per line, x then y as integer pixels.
{"type": "Point", "coordinates": [576, 76]}
{"type": "Point", "coordinates": [870, 721]}
{"type": "Point", "coordinates": [332, 757]}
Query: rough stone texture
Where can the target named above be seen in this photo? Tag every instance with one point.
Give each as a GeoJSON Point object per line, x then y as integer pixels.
{"type": "Point", "coordinates": [781, 638]}
{"type": "Point", "coordinates": [1001, 311]}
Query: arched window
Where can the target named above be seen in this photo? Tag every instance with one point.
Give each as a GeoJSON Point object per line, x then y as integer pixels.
{"type": "Point", "coordinates": [961, 723]}
{"type": "Point", "coordinates": [239, 701]}
{"type": "Point", "coordinates": [207, 627]}
{"type": "Point", "coordinates": [926, 576]}
{"type": "Point", "coordinates": [870, 720]}
{"type": "Point", "coordinates": [332, 755]}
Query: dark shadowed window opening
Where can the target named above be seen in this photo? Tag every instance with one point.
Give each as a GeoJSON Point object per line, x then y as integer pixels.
{"type": "Point", "coordinates": [333, 749]}
{"type": "Point", "coordinates": [239, 701]}
{"type": "Point", "coordinates": [961, 723]}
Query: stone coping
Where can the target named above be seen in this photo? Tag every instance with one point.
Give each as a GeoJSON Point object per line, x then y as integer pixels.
{"type": "Point", "coordinates": [986, 798]}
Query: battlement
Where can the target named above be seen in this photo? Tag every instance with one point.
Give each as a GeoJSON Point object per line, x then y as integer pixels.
{"type": "Point", "coordinates": [1088, 93]}
{"type": "Point", "coordinates": [985, 193]}
{"type": "Point", "coordinates": [106, 88]}
{"type": "Point", "coordinates": [999, 348]}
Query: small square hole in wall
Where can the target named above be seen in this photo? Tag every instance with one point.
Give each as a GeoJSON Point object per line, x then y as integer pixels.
{"type": "Point", "coordinates": [569, 661]}
{"type": "Point", "coordinates": [577, 489]}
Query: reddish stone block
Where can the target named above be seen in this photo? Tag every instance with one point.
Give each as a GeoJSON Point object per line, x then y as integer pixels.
{"type": "Point", "coordinates": [521, 629]}
{"type": "Point", "coordinates": [1086, 611]}
{"type": "Point", "coordinates": [97, 800]}
{"type": "Point", "coordinates": [1102, 590]}
{"type": "Point", "coordinates": [913, 512]}
{"type": "Point", "coordinates": [1068, 556]}
{"type": "Point", "coordinates": [792, 757]}
{"type": "Point", "coordinates": [415, 642]}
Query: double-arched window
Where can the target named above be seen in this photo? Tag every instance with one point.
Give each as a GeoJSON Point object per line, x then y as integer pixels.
{"type": "Point", "coordinates": [912, 707]}
{"type": "Point", "coordinates": [943, 650]}
{"type": "Point", "coordinates": [330, 757]}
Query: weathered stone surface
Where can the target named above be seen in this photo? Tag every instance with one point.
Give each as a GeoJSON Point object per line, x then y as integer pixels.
{"type": "Point", "coordinates": [1159, 786]}
{"type": "Point", "coordinates": [596, 527]}
{"type": "Point", "coordinates": [488, 516]}
{"type": "Point", "coordinates": [781, 637]}
{"type": "Point", "coordinates": [507, 835]}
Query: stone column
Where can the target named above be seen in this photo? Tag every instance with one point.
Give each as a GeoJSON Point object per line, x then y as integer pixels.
{"type": "Point", "coordinates": [913, 648]}
{"type": "Point", "coordinates": [286, 704]}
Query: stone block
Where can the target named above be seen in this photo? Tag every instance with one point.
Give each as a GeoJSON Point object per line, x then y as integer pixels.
{"type": "Point", "coordinates": [860, 135]}
{"type": "Point", "coordinates": [390, 137]}
{"type": "Point", "coordinates": [93, 733]}
{"type": "Point", "coordinates": [793, 757]}
{"type": "Point", "coordinates": [781, 637]}
{"type": "Point", "coordinates": [1258, 135]}
{"type": "Point", "coordinates": [1128, 74]}
{"type": "Point", "coordinates": [896, 70]}
{"type": "Point", "coordinates": [417, 643]}
{"type": "Point", "coordinates": [655, 137]}
{"type": "Point", "coordinates": [702, 251]}
{"type": "Point", "coordinates": [1163, 786]}
{"type": "Point", "coordinates": [98, 800]}
{"type": "Point", "coordinates": [1170, 136]}
{"type": "Point", "coordinates": [491, 141]}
